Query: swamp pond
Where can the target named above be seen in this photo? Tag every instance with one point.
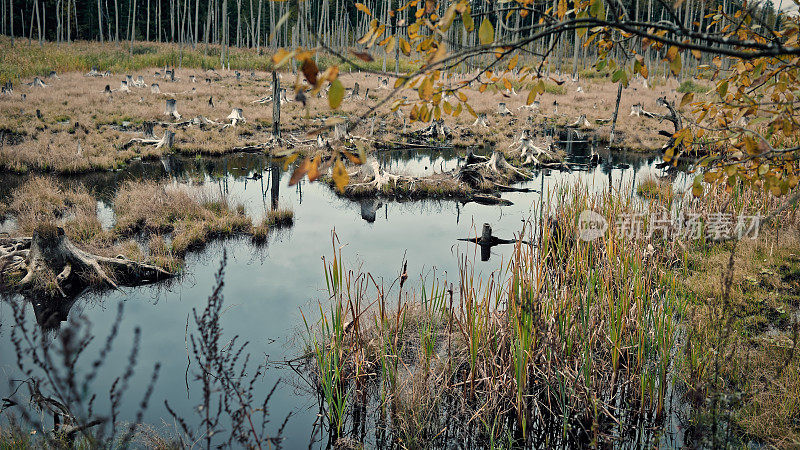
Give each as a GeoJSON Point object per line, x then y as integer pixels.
{"type": "Point", "coordinates": [267, 286]}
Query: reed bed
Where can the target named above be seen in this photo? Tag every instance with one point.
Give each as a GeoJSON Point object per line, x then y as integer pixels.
{"type": "Point", "coordinates": [570, 342]}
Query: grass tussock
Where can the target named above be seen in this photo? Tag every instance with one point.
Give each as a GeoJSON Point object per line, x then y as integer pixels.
{"type": "Point", "coordinates": [275, 218]}
{"type": "Point", "coordinates": [692, 86]}
{"type": "Point", "coordinates": [655, 189]}
{"type": "Point", "coordinates": [44, 200]}
{"type": "Point", "coordinates": [192, 219]}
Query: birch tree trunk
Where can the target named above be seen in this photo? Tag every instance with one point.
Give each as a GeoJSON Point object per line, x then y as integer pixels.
{"type": "Point", "coordinates": [11, 19]}
{"type": "Point", "coordinates": [100, 20]}
{"type": "Point", "coordinates": [172, 21]}
{"type": "Point", "coordinates": [116, 21]}
{"type": "Point", "coordinates": [38, 21]}
{"type": "Point", "coordinates": [133, 27]}
{"type": "Point", "coordinates": [196, 23]}
{"type": "Point", "coordinates": [258, 28]}
{"type": "Point", "coordinates": [238, 23]}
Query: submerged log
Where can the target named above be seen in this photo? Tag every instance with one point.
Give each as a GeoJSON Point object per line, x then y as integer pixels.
{"type": "Point", "coordinates": [487, 240]}
{"type": "Point", "coordinates": [52, 265]}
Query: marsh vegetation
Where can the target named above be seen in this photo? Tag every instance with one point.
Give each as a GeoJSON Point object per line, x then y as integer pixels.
{"type": "Point", "coordinates": [540, 225]}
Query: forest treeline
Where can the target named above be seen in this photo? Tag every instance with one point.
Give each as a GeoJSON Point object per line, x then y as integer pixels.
{"type": "Point", "coordinates": [336, 23]}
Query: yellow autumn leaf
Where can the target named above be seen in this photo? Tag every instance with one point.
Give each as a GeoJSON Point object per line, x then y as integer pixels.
{"type": "Point", "coordinates": [363, 8]}
{"type": "Point", "coordinates": [513, 62]}
{"type": "Point", "coordinates": [340, 176]}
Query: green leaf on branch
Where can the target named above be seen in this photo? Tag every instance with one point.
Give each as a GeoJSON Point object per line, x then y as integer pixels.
{"type": "Point", "coordinates": [335, 94]}
{"type": "Point", "coordinates": [469, 24]}
{"type": "Point", "coordinates": [486, 32]}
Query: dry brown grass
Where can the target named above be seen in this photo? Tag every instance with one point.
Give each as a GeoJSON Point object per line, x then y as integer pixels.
{"type": "Point", "coordinates": [80, 126]}
{"type": "Point", "coordinates": [653, 188]}
{"type": "Point", "coordinates": [171, 219]}
{"type": "Point", "coordinates": [45, 200]}
{"type": "Point", "coordinates": [191, 218]}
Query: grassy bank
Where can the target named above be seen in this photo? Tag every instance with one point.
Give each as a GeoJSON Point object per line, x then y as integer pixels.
{"type": "Point", "coordinates": [152, 222]}
{"type": "Point", "coordinates": [741, 359]}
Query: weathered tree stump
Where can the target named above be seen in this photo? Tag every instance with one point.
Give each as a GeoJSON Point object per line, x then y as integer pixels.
{"type": "Point", "coordinates": [503, 110]}
{"type": "Point", "coordinates": [487, 240]}
{"type": "Point", "coordinates": [356, 89]}
{"type": "Point", "coordinates": [50, 264]}
{"type": "Point", "coordinates": [171, 108]}
{"type": "Point", "coordinates": [436, 130]}
{"type": "Point", "coordinates": [581, 122]}
{"type": "Point", "coordinates": [37, 82]}
{"type": "Point", "coordinates": [165, 141]}
{"type": "Point", "coordinates": [236, 116]}
{"type": "Point", "coordinates": [480, 121]}
{"type": "Point", "coordinates": [147, 130]}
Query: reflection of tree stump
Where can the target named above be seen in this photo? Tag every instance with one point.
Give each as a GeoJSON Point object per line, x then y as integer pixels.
{"type": "Point", "coordinates": [52, 264]}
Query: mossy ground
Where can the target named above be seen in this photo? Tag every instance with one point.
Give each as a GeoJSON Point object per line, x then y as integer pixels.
{"type": "Point", "coordinates": [741, 360]}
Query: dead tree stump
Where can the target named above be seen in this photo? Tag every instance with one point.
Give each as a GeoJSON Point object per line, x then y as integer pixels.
{"type": "Point", "coordinates": [53, 265]}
